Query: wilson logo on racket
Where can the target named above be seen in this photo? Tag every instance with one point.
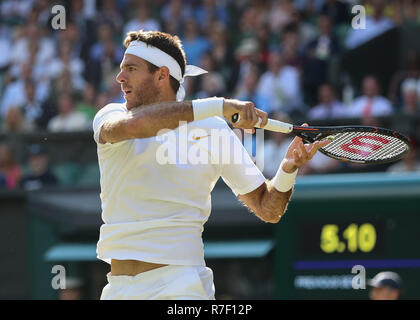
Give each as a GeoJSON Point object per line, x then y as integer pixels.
{"type": "Point", "coordinates": [356, 142]}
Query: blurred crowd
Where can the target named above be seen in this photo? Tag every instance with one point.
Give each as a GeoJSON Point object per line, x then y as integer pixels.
{"type": "Point", "coordinates": [276, 53]}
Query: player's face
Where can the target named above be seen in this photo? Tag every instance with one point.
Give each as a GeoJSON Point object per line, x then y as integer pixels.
{"type": "Point", "coordinates": [137, 82]}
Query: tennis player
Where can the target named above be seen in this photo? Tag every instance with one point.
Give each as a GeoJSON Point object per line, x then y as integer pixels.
{"type": "Point", "coordinates": [154, 213]}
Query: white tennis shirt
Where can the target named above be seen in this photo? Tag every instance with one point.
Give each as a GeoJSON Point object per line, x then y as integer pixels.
{"type": "Point", "coordinates": [155, 192]}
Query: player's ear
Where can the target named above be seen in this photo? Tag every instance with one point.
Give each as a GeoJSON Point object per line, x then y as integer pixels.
{"type": "Point", "coordinates": [163, 73]}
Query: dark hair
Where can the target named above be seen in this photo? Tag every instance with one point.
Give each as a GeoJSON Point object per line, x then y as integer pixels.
{"type": "Point", "coordinates": [164, 41]}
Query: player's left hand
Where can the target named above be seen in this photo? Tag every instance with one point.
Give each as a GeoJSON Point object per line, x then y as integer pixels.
{"type": "Point", "coordinates": [299, 153]}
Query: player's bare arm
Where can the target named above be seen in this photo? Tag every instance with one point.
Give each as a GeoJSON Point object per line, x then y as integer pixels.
{"type": "Point", "coordinates": [268, 203]}
{"type": "Point", "coordinates": [147, 121]}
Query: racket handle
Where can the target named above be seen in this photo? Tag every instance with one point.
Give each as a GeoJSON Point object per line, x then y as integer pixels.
{"type": "Point", "coordinates": [272, 125]}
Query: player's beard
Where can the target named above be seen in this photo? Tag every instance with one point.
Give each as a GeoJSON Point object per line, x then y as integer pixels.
{"type": "Point", "coordinates": [144, 94]}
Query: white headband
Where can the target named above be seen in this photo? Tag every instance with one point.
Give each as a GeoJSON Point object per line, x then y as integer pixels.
{"type": "Point", "coordinates": [161, 59]}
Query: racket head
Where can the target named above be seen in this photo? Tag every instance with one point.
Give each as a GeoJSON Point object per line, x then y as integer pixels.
{"type": "Point", "coordinates": [358, 144]}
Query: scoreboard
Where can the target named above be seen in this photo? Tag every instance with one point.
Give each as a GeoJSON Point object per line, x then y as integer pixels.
{"type": "Point", "coordinates": [341, 230]}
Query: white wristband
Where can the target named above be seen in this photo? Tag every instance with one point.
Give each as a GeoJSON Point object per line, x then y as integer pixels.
{"type": "Point", "coordinates": [284, 181]}
{"type": "Point", "coordinates": [205, 108]}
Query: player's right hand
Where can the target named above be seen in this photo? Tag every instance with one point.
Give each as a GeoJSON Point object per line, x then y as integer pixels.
{"type": "Point", "coordinates": [248, 114]}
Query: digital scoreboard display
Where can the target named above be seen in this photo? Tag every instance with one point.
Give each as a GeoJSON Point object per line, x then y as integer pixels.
{"type": "Point", "coordinates": [339, 231]}
{"type": "Point", "coordinates": [342, 238]}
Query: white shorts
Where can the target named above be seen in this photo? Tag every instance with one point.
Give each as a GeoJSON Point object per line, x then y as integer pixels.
{"type": "Point", "coordinates": [170, 282]}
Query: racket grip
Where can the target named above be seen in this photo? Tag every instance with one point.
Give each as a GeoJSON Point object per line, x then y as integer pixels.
{"type": "Point", "coordinates": [272, 125]}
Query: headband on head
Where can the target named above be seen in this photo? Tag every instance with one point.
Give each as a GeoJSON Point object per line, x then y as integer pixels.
{"type": "Point", "coordinates": [160, 59]}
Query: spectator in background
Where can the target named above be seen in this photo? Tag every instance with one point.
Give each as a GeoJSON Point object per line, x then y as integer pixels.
{"type": "Point", "coordinates": [15, 122]}
{"type": "Point", "coordinates": [143, 20]}
{"type": "Point", "coordinates": [411, 69]}
{"type": "Point", "coordinates": [263, 37]}
{"type": "Point", "coordinates": [290, 48]}
{"type": "Point", "coordinates": [410, 92]}
{"type": "Point", "coordinates": [104, 58]}
{"type": "Point", "coordinates": [105, 39]}
{"type": "Point", "coordinates": [14, 92]}
{"type": "Point", "coordinates": [31, 47]}
{"type": "Point", "coordinates": [275, 147]}
{"type": "Point", "coordinates": [65, 62]}
{"type": "Point", "coordinates": [32, 108]}
{"type": "Point", "coordinates": [49, 107]}
{"type": "Point", "coordinates": [5, 47]}
{"type": "Point", "coordinates": [221, 50]}
{"type": "Point", "coordinates": [279, 86]}
{"type": "Point", "coordinates": [43, 11]}
{"type": "Point", "coordinates": [80, 28]}
{"type": "Point", "coordinates": [318, 55]}
{"type": "Point", "coordinates": [375, 25]}
{"type": "Point", "coordinates": [12, 95]}
{"type": "Point", "coordinates": [15, 10]}
{"type": "Point", "coordinates": [371, 104]}
{"type": "Point", "coordinates": [385, 286]}
{"type": "Point", "coordinates": [280, 14]}
{"type": "Point", "coordinates": [9, 169]}
{"type": "Point", "coordinates": [407, 12]}
{"type": "Point", "coordinates": [71, 35]}
{"type": "Point", "coordinates": [306, 31]}
{"type": "Point", "coordinates": [247, 90]}
{"type": "Point", "coordinates": [172, 27]}
{"type": "Point", "coordinates": [22, 109]}
{"type": "Point", "coordinates": [194, 44]}
{"type": "Point", "coordinates": [87, 104]}
{"type": "Point", "coordinates": [68, 119]}
{"type": "Point", "coordinates": [337, 11]}
{"type": "Point", "coordinates": [83, 14]}
{"type": "Point", "coordinates": [209, 11]}
{"type": "Point", "coordinates": [329, 107]}
{"type": "Point", "coordinates": [212, 84]}
{"type": "Point", "coordinates": [40, 67]}
{"type": "Point", "coordinates": [174, 14]}
{"type": "Point", "coordinates": [324, 45]}
{"type": "Point", "coordinates": [63, 84]}
{"type": "Point", "coordinates": [309, 8]}
{"type": "Point", "coordinates": [410, 162]}
{"type": "Point", "coordinates": [252, 17]}
{"type": "Point", "coordinates": [39, 175]}
{"type": "Point", "coordinates": [194, 85]}
{"type": "Point", "coordinates": [110, 15]}
{"type": "Point", "coordinates": [247, 55]}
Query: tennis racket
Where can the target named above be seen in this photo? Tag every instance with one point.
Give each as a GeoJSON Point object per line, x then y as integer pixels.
{"type": "Point", "coordinates": [357, 144]}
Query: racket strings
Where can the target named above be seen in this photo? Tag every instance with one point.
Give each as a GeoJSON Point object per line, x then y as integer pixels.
{"type": "Point", "coordinates": [365, 146]}
{"type": "Point", "coordinates": [390, 150]}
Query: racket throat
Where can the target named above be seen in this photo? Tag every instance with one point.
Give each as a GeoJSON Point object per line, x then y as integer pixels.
{"type": "Point", "coordinates": [310, 137]}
